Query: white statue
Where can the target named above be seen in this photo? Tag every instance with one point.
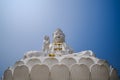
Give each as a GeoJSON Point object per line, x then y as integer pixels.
{"type": "Point", "coordinates": [46, 43]}
{"type": "Point", "coordinates": [58, 46]}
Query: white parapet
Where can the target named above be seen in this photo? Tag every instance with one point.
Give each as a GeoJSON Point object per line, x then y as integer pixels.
{"type": "Point", "coordinates": [65, 67]}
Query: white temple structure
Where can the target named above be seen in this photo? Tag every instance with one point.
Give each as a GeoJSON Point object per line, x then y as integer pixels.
{"type": "Point", "coordinates": [57, 61]}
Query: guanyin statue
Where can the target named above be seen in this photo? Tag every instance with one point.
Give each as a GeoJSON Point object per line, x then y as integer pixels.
{"type": "Point", "coordinates": [58, 45]}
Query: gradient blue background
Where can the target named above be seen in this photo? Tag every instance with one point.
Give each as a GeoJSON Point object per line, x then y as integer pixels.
{"type": "Point", "coordinates": [88, 25]}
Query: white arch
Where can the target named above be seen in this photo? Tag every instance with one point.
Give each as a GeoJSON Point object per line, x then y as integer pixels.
{"type": "Point", "coordinates": [19, 63]}
{"type": "Point", "coordinates": [60, 72]}
{"type": "Point", "coordinates": [99, 72]}
{"type": "Point", "coordinates": [31, 62]}
{"type": "Point", "coordinates": [39, 72]}
{"type": "Point", "coordinates": [104, 62]}
{"type": "Point", "coordinates": [50, 61]}
{"type": "Point", "coordinates": [80, 72]}
{"type": "Point", "coordinates": [21, 73]}
{"type": "Point", "coordinates": [87, 61]}
{"type": "Point", "coordinates": [7, 75]}
{"type": "Point", "coordinates": [114, 75]}
{"type": "Point", "coordinates": [69, 61]}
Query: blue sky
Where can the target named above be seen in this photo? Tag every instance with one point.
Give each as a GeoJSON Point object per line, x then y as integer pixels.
{"type": "Point", "coordinates": [88, 25]}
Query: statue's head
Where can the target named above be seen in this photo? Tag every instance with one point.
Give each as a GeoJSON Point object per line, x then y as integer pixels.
{"type": "Point", "coordinates": [58, 36]}
{"type": "Point", "coordinates": [46, 37]}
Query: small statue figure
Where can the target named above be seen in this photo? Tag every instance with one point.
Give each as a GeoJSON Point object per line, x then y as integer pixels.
{"type": "Point", "coordinates": [46, 43]}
